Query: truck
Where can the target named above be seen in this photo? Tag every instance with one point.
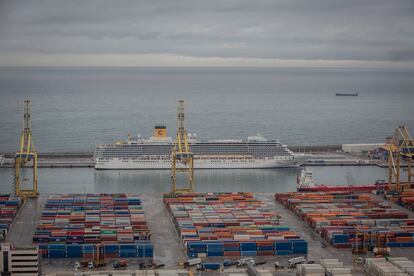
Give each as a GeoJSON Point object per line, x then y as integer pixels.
{"type": "Point", "coordinates": [292, 263]}
{"type": "Point", "coordinates": [382, 251]}
{"type": "Point", "coordinates": [245, 261]}
{"type": "Point", "coordinates": [208, 266]}
{"type": "Point", "coordinates": [228, 263]}
{"type": "Point", "coordinates": [120, 264]}
{"type": "Point", "coordinates": [192, 262]}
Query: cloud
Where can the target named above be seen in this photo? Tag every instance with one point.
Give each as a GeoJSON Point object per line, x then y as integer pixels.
{"type": "Point", "coordinates": [332, 30]}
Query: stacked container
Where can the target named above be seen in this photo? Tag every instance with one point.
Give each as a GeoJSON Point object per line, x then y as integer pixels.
{"type": "Point", "coordinates": [405, 198]}
{"type": "Point", "coordinates": [333, 267]}
{"type": "Point", "coordinates": [310, 270]}
{"type": "Point", "coordinates": [345, 219]}
{"type": "Point", "coordinates": [71, 226]}
{"type": "Point", "coordinates": [230, 224]}
{"type": "Point", "coordinates": [381, 267]}
{"type": "Point", "coordinates": [9, 205]}
{"type": "Point", "coordinates": [404, 264]}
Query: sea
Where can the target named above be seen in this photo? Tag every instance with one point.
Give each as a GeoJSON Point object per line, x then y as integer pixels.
{"type": "Point", "coordinates": [75, 108]}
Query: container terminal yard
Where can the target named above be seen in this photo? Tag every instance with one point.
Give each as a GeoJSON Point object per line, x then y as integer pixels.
{"type": "Point", "coordinates": [183, 232]}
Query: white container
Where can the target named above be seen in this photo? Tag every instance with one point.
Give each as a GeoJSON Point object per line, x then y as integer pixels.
{"type": "Point", "coordinates": [340, 270]}
{"type": "Point", "coordinates": [312, 269]}
{"type": "Point", "coordinates": [333, 265]}
{"type": "Point", "coordinates": [393, 259]}
{"type": "Point", "coordinates": [323, 261]}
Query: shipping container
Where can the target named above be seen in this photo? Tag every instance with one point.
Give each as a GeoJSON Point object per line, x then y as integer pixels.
{"type": "Point", "coordinates": [345, 219]}
{"type": "Point", "coordinates": [230, 224]}
{"type": "Point", "coordinates": [78, 222]}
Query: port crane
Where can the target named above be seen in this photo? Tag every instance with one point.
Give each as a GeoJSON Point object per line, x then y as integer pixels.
{"type": "Point", "coordinates": [182, 157]}
{"type": "Point", "coordinates": [399, 146]}
{"type": "Point", "coordinates": [370, 241]}
{"type": "Point", "coordinates": [25, 157]}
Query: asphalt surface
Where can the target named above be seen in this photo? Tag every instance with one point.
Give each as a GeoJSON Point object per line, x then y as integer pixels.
{"type": "Point", "coordinates": [168, 248]}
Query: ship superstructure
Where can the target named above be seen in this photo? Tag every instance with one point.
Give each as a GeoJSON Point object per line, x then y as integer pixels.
{"type": "Point", "coordinates": [155, 153]}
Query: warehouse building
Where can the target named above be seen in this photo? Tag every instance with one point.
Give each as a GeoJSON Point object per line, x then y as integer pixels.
{"type": "Point", "coordinates": [19, 261]}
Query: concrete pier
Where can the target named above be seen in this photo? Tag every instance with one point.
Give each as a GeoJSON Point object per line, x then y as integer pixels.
{"type": "Point", "coordinates": [168, 247]}
{"type": "Point", "coordinates": [315, 156]}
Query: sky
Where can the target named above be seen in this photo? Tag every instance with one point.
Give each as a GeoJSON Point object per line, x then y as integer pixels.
{"type": "Point", "coordinates": [298, 33]}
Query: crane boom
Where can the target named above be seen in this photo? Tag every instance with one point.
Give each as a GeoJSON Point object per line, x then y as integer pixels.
{"type": "Point", "coordinates": [182, 156]}
{"type": "Point", "coordinates": [25, 155]}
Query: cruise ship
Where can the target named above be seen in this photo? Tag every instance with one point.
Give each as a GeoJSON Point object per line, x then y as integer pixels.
{"type": "Point", "coordinates": [155, 153]}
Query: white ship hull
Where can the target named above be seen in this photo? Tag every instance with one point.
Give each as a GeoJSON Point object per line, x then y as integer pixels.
{"type": "Point", "coordinates": [131, 164]}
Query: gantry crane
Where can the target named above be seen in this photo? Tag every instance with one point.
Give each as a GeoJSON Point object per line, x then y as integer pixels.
{"type": "Point", "coordinates": [182, 157]}
{"type": "Point", "coordinates": [406, 149]}
{"type": "Point", "coordinates": [400, 146]}
{"type": "Point", "coordinates": [26, 155]}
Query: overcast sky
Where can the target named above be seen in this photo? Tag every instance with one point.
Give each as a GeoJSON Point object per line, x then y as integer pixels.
{"type": "Point", "coordinates": [361, 33]}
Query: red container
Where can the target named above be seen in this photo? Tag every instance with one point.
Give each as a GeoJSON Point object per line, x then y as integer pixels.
{"type": "Point", "coordinates": [231, 253]}
{"type": "Point", "coordinates": [265, 253]}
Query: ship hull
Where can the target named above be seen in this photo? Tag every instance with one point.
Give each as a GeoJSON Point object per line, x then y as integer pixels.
{"type": "Point", "coordinates": [323, 188]}
{"type": "Point", "coordinates": [119, 164]}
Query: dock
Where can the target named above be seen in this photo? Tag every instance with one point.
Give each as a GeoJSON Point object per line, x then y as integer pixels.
{"type": "Point", "coordinates": [328, 155]}
{"type": "Point", "coordinates": [168, 247]}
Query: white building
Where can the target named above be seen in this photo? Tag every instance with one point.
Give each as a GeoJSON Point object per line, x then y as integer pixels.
{"type": "Point", "coordinates": [19, 261]}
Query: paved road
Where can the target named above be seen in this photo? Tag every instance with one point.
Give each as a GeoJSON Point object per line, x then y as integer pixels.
{"type": "Point", "coordinates": [168, 248]}
{"type": "Point", "coordinates": [315, 250]}
{"type": "Point", "coordinates": [25, 223]}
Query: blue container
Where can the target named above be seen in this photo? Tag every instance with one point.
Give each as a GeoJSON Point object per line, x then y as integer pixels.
{"type": "Point", "coordinates": [57, 247]}
{"type": "Point", "coordinates": [126, 253]}
{"type": "Point", "coordinates": [340, 238]}
{"type": "Point", "coordinates": [196, 245]}
{"type": "Point", "coordinates": [214, 247]}
{"type": "Point", "coordinates": [299, 251]}
{"type": "Point", "coordinates": [210, 266]}
{"type": "Point", "coordinates": [231, 249]}
{"type": "Point", "coordinates": [214, 253]}
{"type": "Point", "coordinates": [265, 248]}
{"type": "Point", "coordinates": [248, 253]}
{"type": "Point", "coordinates": [299, 245]}
{"type": "Point", "coordinates": [127, 247]}
{"type": "Point", "coordinates": [56, 254]}
{"type": "Point", "coordinates": [88, 248]}
{"type": "Point", "coordinates": [393, 244]}
{"type": "Point", "coordinates": [282, 245]}
{"type": "Point", "coordinates": [283, 252]}
{"type": "Point", "coordinates": [111, 248]}
{"type": "Point", "coordinates": [192, 255]}
{"type": "Point", "coordinates": [149, 253]}
{"type": "Point", "coordinates": [76, 255]}
{"type": "Point", "coordinates": [74, 248]}
{"type": "Point", "coordinates": [248, 246]}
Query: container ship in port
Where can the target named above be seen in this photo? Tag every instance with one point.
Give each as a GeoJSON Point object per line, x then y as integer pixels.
{"type": "Point", "coordinates": [155, 153]}
{"type": "Point", "coordinates": [305, 183]}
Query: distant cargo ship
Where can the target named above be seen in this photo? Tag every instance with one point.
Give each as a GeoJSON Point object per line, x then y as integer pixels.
{"type": "Point", "coordinates": [347, 94]}
{"type": "Point", "coordinates": [155, 153]}
{"type": "Point", "coordinates": [305, 183]}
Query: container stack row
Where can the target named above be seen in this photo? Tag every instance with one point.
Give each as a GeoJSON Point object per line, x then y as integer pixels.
{"type": "Point", "coordinates": [345, 219]}
{"type": "Point", "coordinates": [230, 224]}
{"type": "Point", "coordinates": [9, 205]}
{"type": "Point", "coordinates": [71, 224]}
{"type": "Point", "coordinates": [382, 267]}
{"type": "Point", "coordinates": [333, 267]}
{"type": "Point", "coordinates": [403, 263]}
{"type": "Point", "coordinates": [328, 267]}
{"type": "Point", "coordinates": [405, 198]}
{"type": "Point", "coordinates": [88, 251]}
